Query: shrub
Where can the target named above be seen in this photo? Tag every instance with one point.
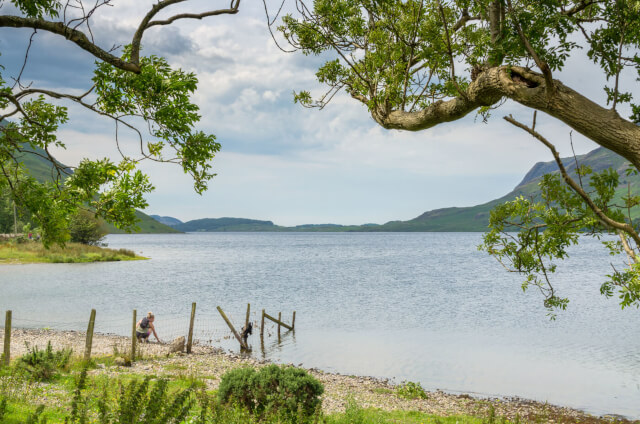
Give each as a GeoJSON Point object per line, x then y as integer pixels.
{"type": "Point", "coordinates": [141, 402]}
{"type": "Point", "coordinates": [43, 365]}
{"type": "Point", "coordinates": [85, 228]}
{"type": "Point", "coordinates": [127, 252]}
{"type": "Point", "coordinates": [3, 407]}
{"type": "Point", "coordinates": [36, 417]}
{"type": "Point", "coordinates": [286, 392]}
{"type": "Point", "coordinates": [236, 386]}
{"type": "Point", "coordinates": [411, 390]}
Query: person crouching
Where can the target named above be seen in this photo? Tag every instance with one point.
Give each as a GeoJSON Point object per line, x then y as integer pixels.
{"type": "Point", "coordinates": [145, 327]}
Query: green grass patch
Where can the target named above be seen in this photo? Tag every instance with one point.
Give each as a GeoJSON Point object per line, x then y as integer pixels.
{"type": "Point", "coordinates": [20, 413]}
{"type": "Point", "coordinates": [354, 414]}
{"type": "Point", "coordinates": [35, 252]}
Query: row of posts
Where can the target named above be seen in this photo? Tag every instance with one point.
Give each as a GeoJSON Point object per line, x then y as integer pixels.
{"type": "Point", "coordinates": [92, 320]}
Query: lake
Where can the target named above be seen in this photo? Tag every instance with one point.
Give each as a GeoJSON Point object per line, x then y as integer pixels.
{"type": "Point", "coordinates": [425, 307]}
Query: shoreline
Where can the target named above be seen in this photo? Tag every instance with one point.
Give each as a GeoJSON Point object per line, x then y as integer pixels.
{"type": "Point", "coordinates": [33, 252]}
{"type": "Point", "coordinates": [210, 363]}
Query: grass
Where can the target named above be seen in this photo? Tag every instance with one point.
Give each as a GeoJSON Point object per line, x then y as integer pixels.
{"type": "Point", "coordinates": [34, 252]}
{"type": "Point", "coordinates": [24, 396]}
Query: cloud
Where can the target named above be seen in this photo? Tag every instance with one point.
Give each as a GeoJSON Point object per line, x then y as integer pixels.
{"type": "Point", "coordinates": [280, 161]}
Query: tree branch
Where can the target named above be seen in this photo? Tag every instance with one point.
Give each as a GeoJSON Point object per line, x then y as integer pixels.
{"type": "Point", "coordinates": [233, 9]}
{"type": "Point", "coordinates": [544, 66]}
{"type": "Point", "coordinates": [73, 35]}
{"type": "Point", "coordinates": [628, 229]}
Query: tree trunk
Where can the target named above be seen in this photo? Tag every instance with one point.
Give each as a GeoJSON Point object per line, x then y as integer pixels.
{"type": "Point", "coordinates": [528, 88]}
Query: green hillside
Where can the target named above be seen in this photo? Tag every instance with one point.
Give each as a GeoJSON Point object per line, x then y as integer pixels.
{"type": "Point", "coordinates": [147, 225]}
{"type": "Point", "coordinates": [42, 170]}
{"type": "Point", "coordinates": [226, 224]}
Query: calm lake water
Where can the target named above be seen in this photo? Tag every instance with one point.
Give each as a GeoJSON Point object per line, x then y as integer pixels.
{"type": "Point", "coordinates": [424, 307]}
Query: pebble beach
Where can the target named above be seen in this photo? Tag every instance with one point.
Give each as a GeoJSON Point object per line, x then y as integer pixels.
{"type": "Point", "coordinates": [210, 363]}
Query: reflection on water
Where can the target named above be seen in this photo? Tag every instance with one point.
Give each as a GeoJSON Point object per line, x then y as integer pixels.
{"type": "Point", "coordinates": [425, 307]}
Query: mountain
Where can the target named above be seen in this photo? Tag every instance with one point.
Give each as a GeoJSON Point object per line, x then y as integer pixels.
{"type": "Point", "coordinates": [42, 170]}
{"type": "Point", "coordinates": [476, 218]}
{"type": "Point", "coordinates": [147, 225]}
{"type": "Point", "coordinates": [39, 167]}
{"type": "Point", "coordinates": [226, 224]}
{"type": "Point", "coordinates": [454, 219]}
{"type": "Point", "coordinates": [167, 220]}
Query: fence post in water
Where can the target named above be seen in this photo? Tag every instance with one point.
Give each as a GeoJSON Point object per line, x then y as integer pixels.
{"type": "Point", "coordinates": [246, 321]}
{"type": "Point", "coordinates": [89, 340]}
{"type": "Point", "coordinates": [262, 326]}
{"type": "Point", "coordinates": [133, 337]}
{"type": "Point", "coordinates": [7, 338]}
{"type": "Point", "coordinates": [233, 330]}
{"type": "Point", "coordinates": [279, 321]}
{"type": "Point", "coordinates": [193, 317]}
{"type": "Point", "coordinates": [293, 321]}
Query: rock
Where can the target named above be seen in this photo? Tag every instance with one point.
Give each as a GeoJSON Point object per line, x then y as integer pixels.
{"type": "Point", "coordinates": [122, 362]}
{"type": "Point", "coordinates": [177, 345]}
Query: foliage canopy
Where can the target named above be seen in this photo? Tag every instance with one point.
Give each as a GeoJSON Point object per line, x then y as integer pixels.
{"type": "Point", "coordinates": [142, 95]}
{"type": "Point", "coordinates": [415, 64]}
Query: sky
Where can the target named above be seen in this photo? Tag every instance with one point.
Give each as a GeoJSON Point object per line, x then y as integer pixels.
{"type": "Point", "coordinates": [279, 161]}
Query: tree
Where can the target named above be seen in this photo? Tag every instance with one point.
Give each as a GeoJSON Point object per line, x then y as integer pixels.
{"type": "Point", "coordinates": [416, 64]}
{"type": "Point", "coordinates": [131, 90]}
{"type": "Point", "coordinates": [85, 228]}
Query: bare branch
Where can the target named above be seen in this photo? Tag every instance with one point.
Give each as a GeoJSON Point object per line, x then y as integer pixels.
{"type": "Point", "coordinates": [463, 20]}
{"type": "Point", "coordinates": [26, 58]}
{"type": "Point", "coordinates": [230, 11]}
{"type": "Point", "coordinates": [73, 35]}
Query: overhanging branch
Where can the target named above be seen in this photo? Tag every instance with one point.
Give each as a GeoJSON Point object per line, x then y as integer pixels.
{"type": "Point", "coordinates": [620, 226]}
{"type": "Point", "coordinates": [73, 35]}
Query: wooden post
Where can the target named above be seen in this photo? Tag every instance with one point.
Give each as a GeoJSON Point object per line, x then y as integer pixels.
{"type": "Point", "coordinates": [89, 339]}
{"type": "Point", "coordinates": [193, 317]}
{"type": "Point", "coordinates": [293, 321]}
{"type": "Point", "coordinates": [15, 220]}
{"type": "Point", "coordinates": [262, 327]}
{"type": "Point", "coordinates": [7, 338]}
{"type": "Point", "coordinates": [246, 321]}
{"type": "Point", "coordinates": [279, 321]}
{"type": "Point", "coordinates": [233, 330]}
{"type": "Point", "coordinates": [133, 337]}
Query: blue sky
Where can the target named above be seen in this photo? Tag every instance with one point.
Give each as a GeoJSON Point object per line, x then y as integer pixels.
{"type": "Point", "coordinates": [282, 162]}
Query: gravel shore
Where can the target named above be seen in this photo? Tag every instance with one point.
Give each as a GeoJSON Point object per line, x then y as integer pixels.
{"type": "Point", "coordinates": [210, 364]}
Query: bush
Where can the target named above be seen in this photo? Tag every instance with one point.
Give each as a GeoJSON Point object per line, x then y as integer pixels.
{"type": "Point", "coordinates": [141, 402]}
{"type": "Point", "coordinates": [411, 390]}
{"type": "Point", "coordinates": [285, 392]}
{"type": "Point", "coordinates": [3, 407]}
{"type": "Point", "coordinates": [43, 365]}
{"type": "Point", "coordinates": [85, 228]}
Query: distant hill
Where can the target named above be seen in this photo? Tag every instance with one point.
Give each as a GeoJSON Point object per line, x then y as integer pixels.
{"type": "Point", "coordinates": [42, 170]}
{"type": "Point", "coordinates": [472, 218]}
{"type": "Point", "coordinates": [39, 167]}
{"type": "Point", "coordinates": [167, 220]}
{"type": "Point", "coordinates": [225, 224]}
{"type": "Point", "coordinates": [147, 225]}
